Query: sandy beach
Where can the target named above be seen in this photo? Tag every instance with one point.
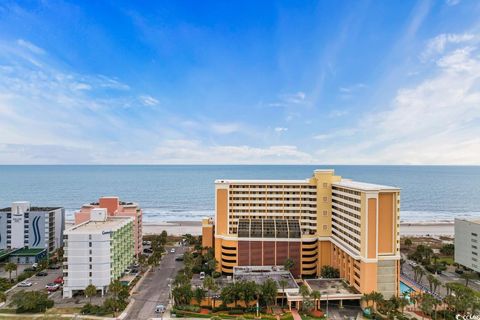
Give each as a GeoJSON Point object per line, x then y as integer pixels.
{"type": "Point", "coordinates": [195, 228]}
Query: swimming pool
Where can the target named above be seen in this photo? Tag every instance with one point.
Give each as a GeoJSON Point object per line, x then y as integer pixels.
{"type": "Point", "coordinates": [405, 288]}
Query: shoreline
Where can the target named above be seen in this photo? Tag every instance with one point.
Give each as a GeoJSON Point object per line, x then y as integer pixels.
{"type": "Point", "coordinates": [407, 229]}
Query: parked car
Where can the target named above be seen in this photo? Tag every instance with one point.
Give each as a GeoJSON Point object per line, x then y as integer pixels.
{"type": "Point", "coordinates": [160, 308]}
{"type": "Point", "coordinates": [172, 250]}
{"type": "Point", "coordinates": [25, 284]}
{"type": "Point", "coordinates": [202, 275]}
{"type": "Point", "coordinates": [59, 280]}
{"type": "Point", "coordinates": [147, 250]}
{"type": "Point", "coordinates": [35, 266]}
{"type": "Point", "coordinates": [459, 271]}
{"type": "Point", "coordinates": [51, 287]}
{"type": "Point", "coordinates": [42, 274]}
{"type": "Point", "coordinates": [179, 258]}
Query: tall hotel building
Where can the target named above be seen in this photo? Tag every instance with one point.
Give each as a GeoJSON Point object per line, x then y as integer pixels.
{"type": "Point", "coordinates": [97, 252]}
{"type": "Point", "coordinates": [324, 220]}
{"type": "Point", "coordinates": [116, 208]}
{"type": "Point", "coordinates": [22, 225]}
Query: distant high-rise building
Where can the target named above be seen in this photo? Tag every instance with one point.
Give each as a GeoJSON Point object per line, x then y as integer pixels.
{"type": "Point", "coordinates": [467, 243]}
{"type": "Point", "coordinates": [116, 208]}
{"type": "Point", "coordinates": [320, 221]}
{"type": "Point", "coordinates": [22, 225]}
{"type": "Point", "coordinates": [97, 251]}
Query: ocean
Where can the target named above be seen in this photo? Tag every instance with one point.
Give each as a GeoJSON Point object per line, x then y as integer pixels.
{"type": "Point", "coordinates": [186, 192]}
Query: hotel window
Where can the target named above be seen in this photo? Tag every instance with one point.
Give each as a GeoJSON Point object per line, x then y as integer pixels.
{"type": "Point", "coordinates": [325, 212]}
{"type": "Point", "coordinates": [325, 227]}
{"type": "Point", "coordinates": [325, 199]}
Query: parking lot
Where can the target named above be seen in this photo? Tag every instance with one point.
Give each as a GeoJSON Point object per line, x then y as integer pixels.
{"type": "Point", "coordinates": [39, 283]}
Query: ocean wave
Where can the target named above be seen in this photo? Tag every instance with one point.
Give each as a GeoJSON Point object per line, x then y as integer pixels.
{"type": "Point", "coordinates": [161, 214]}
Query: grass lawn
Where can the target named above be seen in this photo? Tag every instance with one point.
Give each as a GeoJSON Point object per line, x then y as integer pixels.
{"type": "Point", "coordinates": [448, 260]}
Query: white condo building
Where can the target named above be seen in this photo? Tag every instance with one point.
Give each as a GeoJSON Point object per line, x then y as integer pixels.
{"type": "Point", "coordinates": [22, 225]}
{"type": "Point", "coordinates": [97, 252]}
{"type": "Point", "coordinates": [467, 243]}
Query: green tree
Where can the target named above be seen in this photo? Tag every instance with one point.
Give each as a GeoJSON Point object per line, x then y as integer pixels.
{"type": "Point", "coordinates": [269, 292]}
{"type": "Point", "coordinates": [210, 285]}
{"type": "Point", "coordinates": [329, 272]}
{"type": "Point", "coordinates": [90, 291]}
{"type": "Point", "coordinates": [10, 267]}
{"type": "Point", "coordinates": [408, 243]}
{"type": "Point", "coordinates": [376, 297]}
{"type": "Point", "coordinates": [367, 297]}
{"type": "Point", "coordinates": [182, 294]}
{"type": "Point", "coordinates": [283, 283]}
{"type": "Point", "coordinates": [467, 276]}
{"type": "Point", "coordinates": [230, 294]}
{"type": "Point", "coordinates": [31, 301]}
{"type": "Point", "coordinates": [403, 302]}
{"type": "Point", "coordinates": [3, 296]}
{"type": "Point", "coordinates": [426, 303]}
{"type": "Point", "coordinates": [316, 295]}
{"type": "Point", "coordinates": [448, 249]}
{"type": "Point", "coordinates": [199, 295]}
{"type": "Point", "coordinates": [288, 264]}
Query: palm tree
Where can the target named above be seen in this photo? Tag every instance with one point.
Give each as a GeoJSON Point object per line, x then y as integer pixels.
{"type": "Point", "coordinates": [402, 262]}
{"type": "Point", "coordinates": [436, 283]}
{"type": "Point", "coordinates": [430, 279]}
{"type": "Point", "coordinates": [199, 294]}
{"type": "Point", "coordinates": [421, 273]}
{"type": "Point", "coordinates": [288, 264]}
{"type": "Point", "coordinates": [283, 283]}
{"type": "Point", "coordinates": [403, 302]}
{"type": "Point", "coordinates": [316, 295]}
{"type": "Point", "coordinates": [367, 297]}
{"type": "Point", "coordinates": [9, 267]}
{"type": "Point", "coordinates": [467, 276]}
{"type": "Point", "coordinates": [376, 298]}
{"type": "Point", "coordinates": [90, 291]}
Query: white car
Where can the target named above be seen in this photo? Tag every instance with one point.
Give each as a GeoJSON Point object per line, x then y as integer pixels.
{"type": "Point", "coordinates": [173, 250]}
{"type": "Point", "coordinates": [202, 275]}
{"type": "Point", "coordinates": [25, 284]}
{"type": "Point", "coordinates": [52, 287]}
{"type": "Point", "coordinates": [160, 308]}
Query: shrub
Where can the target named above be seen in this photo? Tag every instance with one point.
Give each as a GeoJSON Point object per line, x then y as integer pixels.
{"type": "Point", "coordinates": [31, 301]}
{"type": "Point", "coordinates": [235, 311]}
{"type": "Point", "coordinates": [189, 308]}
{"type": "Point", "coordinates": [4, 284]}
{"type": "Point", "coordinates": [216, 274]}
{"type": "Point", "coordinates": [25, 275]}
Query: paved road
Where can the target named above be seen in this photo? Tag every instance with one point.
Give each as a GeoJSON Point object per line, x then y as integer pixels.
{"type": "Point", "coordinates": [154, 289]}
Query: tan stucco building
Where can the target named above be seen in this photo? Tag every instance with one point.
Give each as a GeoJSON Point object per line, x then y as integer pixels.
{"type": "Point", "coordinates": [323, 220]}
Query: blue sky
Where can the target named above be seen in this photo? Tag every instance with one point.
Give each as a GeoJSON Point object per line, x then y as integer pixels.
{"type": "Point", "coordinates": [323, 82]}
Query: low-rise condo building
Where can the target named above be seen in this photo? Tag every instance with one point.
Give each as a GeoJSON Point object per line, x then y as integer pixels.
{"type": "Point", "coordinates": [116, 208]}
{"type": "Point", "coordinates": [97, 251]}
{"type": "Point", "coordinates": [467, 243]}
{"type": "Point", "coordinates": [24, 226]}
{"type": "Point", "coordinates": [323, 220]}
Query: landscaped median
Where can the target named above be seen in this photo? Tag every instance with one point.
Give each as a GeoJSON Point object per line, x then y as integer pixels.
{"type": "Point", "coordinates": [197, 312]}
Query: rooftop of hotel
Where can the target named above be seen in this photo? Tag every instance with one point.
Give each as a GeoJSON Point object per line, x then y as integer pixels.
{"type": "Point", "coordinates": [471, 220]}
{"type": "Point", "coordinates": [363, 185]}
{"type": "Point", "coordinates": [262, 181]}
{"type": "Point", "coordinates": [260, 274]}
{"type": "Point", "coordinates": [33, 209]}
{"type": "Point", "coordinates": [331, 287]}
{"type": "Point", "coordinates": [91, 227]}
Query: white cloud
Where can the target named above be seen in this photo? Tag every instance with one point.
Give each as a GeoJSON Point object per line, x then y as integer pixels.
{"type": "Point", "coordinates": [352, 88]}
{"type": "Point", "coordinates": [291, 99]}
{"type": "Point", "coordinates": [192, 151]}
{"type": "Point", "coordinates": [438, 44]}
{"type": "Point", "coordinates": [436, 121]}
{"type": "Point", "coordinates": [148, 100]}
{"type": "Point", "coordinates": [30, 46]}
{"type": "Point", "coordinates": [280, 129]}
{"type": "Point", "coordinates": [225, 128]}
